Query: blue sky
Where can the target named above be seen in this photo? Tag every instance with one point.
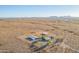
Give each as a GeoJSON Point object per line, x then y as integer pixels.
{"type": "Point", "coordinates": [38, 10]}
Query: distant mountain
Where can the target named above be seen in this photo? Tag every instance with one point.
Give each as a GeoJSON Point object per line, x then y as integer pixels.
{"type": "Point", "coordinates": [66, 18]}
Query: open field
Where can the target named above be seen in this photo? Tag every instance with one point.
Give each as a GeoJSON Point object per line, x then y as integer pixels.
{"type": "Point", "coordinates": [10, 30]}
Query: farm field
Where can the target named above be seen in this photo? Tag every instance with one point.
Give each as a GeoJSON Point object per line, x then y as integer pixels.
{"type": "Point", "coordinates": [10, 30]}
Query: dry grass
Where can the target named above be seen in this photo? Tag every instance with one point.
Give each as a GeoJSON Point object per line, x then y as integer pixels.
{"type": "Point", "coordinates": [10, 30]}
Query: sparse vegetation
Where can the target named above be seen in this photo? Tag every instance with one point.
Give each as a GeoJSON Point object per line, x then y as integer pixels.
{"type": "Point", "coordinates": [10, 30]}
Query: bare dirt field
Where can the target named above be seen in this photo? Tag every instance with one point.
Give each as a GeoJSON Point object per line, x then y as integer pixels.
{"type": "Point", "coordinates": [10, 30]}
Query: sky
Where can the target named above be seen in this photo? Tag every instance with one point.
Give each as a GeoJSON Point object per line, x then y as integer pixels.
{"type": "Point", "coordinates": [38, 10]}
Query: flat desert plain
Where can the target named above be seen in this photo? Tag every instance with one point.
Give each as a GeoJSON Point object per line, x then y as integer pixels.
{"type": "Point", "coordinates": [10, 30]}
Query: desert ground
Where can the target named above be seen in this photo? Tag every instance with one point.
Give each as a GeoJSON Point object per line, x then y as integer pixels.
{"type": "Point", "coordinates": [10, 30]}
